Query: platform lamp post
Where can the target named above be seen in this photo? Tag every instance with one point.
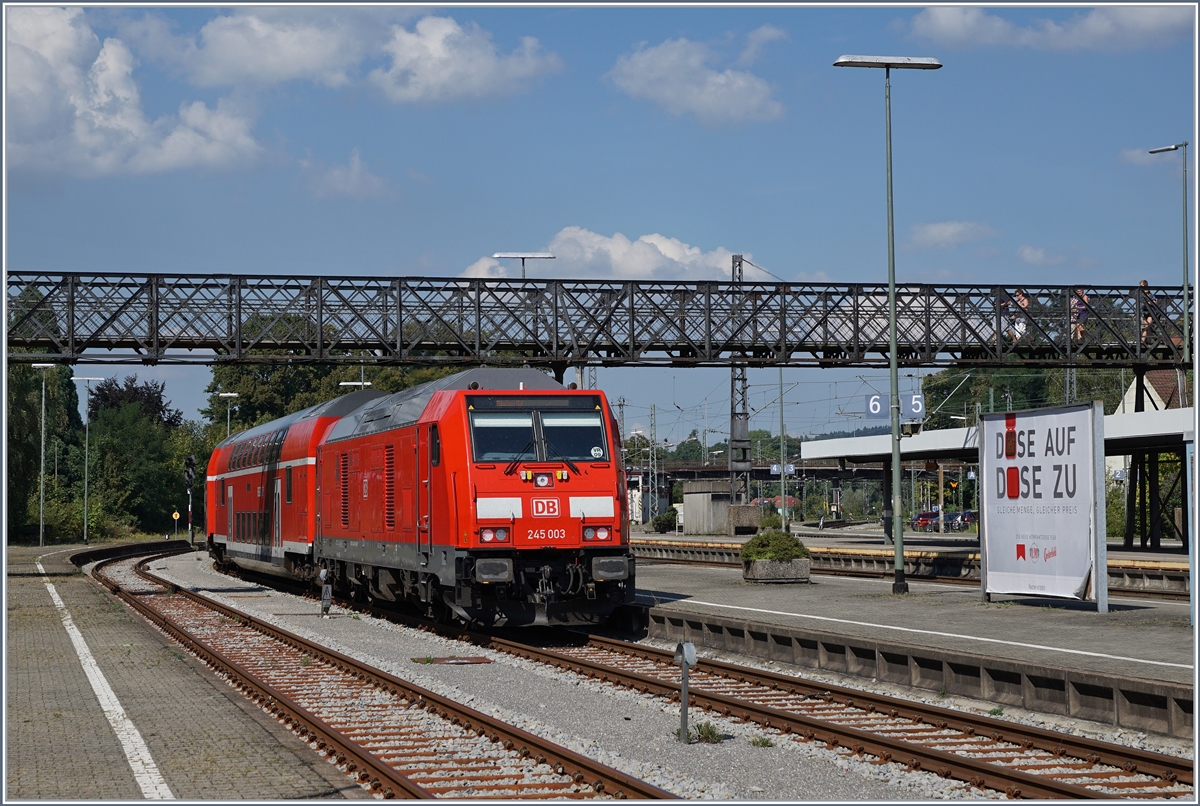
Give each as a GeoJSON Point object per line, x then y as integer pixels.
{"type": "Point", "coordinates": [887, 63]}
{"type": "Point", "coordinates": [229, 396]}
{"type": "Point", "coordinates": [523, 256]}
{"type": "Point", "coordinates": [42, 475]}
{"type": "Point", "coordinates": [87, 426]}
{"type": "Point", "coordinates": [1187, 338]}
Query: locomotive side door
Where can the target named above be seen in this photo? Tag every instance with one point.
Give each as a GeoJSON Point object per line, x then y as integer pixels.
{"type": "Point", "coordinates": [424, 474]}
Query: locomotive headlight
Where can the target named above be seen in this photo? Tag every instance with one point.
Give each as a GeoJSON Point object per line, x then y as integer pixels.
{"type": "Point", "coordinates": [589, 533]}
{"type": "Point", "coordinates": [602, 533]}
{"type": "Point", "coordinates": [501, 535]}
{"type": "Point", "coordinates": [543, 480]}
{"type": "Point", "coordinates": [487, 535]}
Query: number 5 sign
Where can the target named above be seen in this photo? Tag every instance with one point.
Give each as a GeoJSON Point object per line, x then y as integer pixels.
{"type": "Point", "coordinates": [912, 407]}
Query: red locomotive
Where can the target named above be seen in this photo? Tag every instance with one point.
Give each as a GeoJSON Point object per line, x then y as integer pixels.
{"type": "Point", "coordinates": [495, 496]}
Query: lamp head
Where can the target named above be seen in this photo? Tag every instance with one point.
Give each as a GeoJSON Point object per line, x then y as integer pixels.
{"type": "Point", "coordinates": [899, 62]}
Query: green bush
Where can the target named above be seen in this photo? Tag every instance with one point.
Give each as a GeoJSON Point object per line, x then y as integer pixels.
{"type": "Point", "coordinates": [771, 522]}
{"type": "Point", "coordinates": [665, 522]}
{"type": "Point", "coordinates": [774, 546]}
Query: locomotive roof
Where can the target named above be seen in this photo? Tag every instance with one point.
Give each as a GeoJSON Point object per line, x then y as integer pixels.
{"type": "Point", "coordinates": [405, 407]}
{"type": "Point", "coordinates": [338, 407]}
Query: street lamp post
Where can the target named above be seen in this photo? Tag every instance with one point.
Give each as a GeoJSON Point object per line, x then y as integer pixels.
{"type": "Point", "coordinates": [887, 63]}
{"type": "Point", "coordinates": [87, 425]}
{"type": "Point", "coordinates": [42, 475]}
{"type": "Point", "coordinates": [228, 408]}
{"type": "Point", "coordinates": [1187, 339]}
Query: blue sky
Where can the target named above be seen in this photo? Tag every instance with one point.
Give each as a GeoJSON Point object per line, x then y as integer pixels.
{"type": "Point", "coordinates": [634, 143]}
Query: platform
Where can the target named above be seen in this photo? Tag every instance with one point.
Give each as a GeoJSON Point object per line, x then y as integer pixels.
{"type": "Point", "coordinates": [864, 550]}
{"type": "Point", "coordinates": [1131, 667]}
{"type": "Point", "coordinates": [186, 734]}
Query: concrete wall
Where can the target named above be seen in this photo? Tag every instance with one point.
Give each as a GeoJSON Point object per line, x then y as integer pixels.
{"type": "Point", "coordinates": [705, 507]}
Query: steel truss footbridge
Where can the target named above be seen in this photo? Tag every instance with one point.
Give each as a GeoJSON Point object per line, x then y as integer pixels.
{"type": "Point", "coordinates": [213, 319]}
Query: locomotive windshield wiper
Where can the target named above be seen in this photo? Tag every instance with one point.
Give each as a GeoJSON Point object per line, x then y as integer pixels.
{"type": "Point", "coordinates": [515, 463]}
{"type": "Point", "coordinates": [551, 449]}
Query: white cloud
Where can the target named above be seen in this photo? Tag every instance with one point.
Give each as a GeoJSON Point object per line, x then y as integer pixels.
{"type": "Point", "coordinates": [1109, 28]}
{"type": "Point", "coordinates": [351, 180]}
{"type": "Point", "coordinates": [486, 268]}
{"type": "Point", "coordinates": [583, 254]}
{"type": "Point", "coordinates": [440, 60]}
{"type": "Point", "coordinates": [74, 106]}
{"type": "Point", "coordinates": [947, 234]}
{"type": "Point", "coordinates": [675, 75]}
{"type": "Point", "coordinates": [265, 46]}
{"type": "Point", "coordinates": [756, 40]}
{"type": "Point", "coordinates": [1037, 256]}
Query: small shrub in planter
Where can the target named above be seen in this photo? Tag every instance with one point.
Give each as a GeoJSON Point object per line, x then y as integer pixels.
{"type": "Point", "coordinates": [774, 545]}
{"type": "Point", "coordinates": [775, 557]}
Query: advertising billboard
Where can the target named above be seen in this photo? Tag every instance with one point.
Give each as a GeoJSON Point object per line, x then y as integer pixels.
{"type": "Point", "coordinates": [1042, 503]}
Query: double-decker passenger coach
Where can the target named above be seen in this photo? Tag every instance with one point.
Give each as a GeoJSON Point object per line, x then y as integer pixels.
{"type": "Point", "coordinates": [495, 496]}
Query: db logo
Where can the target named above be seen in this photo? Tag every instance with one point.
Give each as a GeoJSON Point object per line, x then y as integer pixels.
{"type": "Point", "coordinates": [545, 507]}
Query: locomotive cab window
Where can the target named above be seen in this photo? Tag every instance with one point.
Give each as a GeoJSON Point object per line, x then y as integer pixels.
{"type": "Point", "coordinates": [577, 435]}
{"type": "Point", "coordinates": [550, 428]}
{"type": "Point", "coordinates": [502, 437]}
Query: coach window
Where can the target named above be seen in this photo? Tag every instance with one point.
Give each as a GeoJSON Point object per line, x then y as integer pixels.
{"type": "Point", "coordinates": [287, 483]}
{"type": "Point", "coordinates": [435, 447]}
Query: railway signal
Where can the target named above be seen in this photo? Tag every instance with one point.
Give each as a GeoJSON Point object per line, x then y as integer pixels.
{"type": "Point", "coordinates": [189, 476]}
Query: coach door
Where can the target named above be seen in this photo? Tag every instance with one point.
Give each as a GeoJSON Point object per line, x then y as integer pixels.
{"type": "Point", "coordinates": [229, 512]}
{"type": "Point", "coordinates": [276, 512]}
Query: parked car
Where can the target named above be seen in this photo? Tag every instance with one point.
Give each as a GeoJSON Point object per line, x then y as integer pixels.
{"type": "Point", "coordinates": [962, 521]}
{"type": "Point", "coordinates": [925, 522]}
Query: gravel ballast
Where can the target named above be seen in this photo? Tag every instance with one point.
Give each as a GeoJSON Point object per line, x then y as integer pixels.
{"type": "Point", "coordinates": [631, 732]}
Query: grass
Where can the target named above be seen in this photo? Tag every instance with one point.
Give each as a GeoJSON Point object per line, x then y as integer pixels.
{"type": "Point", "coordinates": [997, 711]}
{"type": "Point", "coordinates": [761, 741]}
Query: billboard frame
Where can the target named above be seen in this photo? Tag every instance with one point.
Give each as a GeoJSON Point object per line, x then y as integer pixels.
{"type": "Point", "coordinates": [1097, 589]}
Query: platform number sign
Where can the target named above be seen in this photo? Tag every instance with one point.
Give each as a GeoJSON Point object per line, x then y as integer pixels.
{"type": "Point", "coordinates": [912, 406]}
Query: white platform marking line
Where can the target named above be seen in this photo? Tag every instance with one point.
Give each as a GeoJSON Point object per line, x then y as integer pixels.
{"type": "Point", "coordinates": [145, 771]}
{"type": "Point", "coordinates": [932, 632]}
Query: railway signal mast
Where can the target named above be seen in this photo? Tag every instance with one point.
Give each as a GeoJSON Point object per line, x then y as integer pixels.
{"type": "Point", "coordinates": [189, 476]}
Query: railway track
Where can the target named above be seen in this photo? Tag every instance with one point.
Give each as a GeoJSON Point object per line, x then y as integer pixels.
{"type": "Point", "coordinates": [1021, 761]}
{"type": "Point", "coordinates": [393, 737]}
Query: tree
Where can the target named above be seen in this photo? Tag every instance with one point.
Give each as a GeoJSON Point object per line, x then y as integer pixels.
{"type": "Point", "coordinates": [24, 412]}
{"type": "Point", "coordinates": [148, 396]}
{"type": "Point", "coordinates": [266, 392]}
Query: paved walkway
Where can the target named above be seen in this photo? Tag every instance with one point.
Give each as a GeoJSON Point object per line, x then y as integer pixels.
{"type": "Point", "coordinates": [199, 739]}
